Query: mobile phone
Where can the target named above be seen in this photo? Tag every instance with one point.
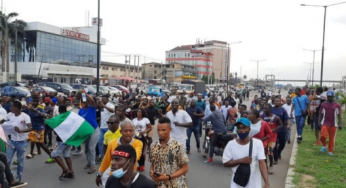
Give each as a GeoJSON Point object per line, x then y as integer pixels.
{"type": "Point", "coordinates": [157, 174]}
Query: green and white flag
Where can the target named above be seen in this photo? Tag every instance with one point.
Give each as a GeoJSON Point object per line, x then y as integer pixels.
{"type": "Point", "coordinates": [71, 128]}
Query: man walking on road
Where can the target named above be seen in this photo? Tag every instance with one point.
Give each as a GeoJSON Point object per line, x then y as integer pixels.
{"type": "Point", "coordinates": [237, 153]}
{"type": "Point", "coordinates": [300, 104]}
{"type": "Point", "coordinates": [329, 111]}
{"type": "Point", "coordinates": [288, 107]}
{"type": "Point", "coordinates": [196, 114]}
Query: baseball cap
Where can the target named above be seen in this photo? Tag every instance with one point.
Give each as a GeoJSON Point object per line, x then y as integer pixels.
{"type": "Point", "coordinates": [330, 93]}
{"type": "Point", "coordinates": [244, 121]}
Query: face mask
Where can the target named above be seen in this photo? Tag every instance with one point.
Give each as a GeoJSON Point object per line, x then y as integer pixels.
{"type": "Point", "coordinates": [242, 136]}
{"type": "Point", "coordinates": [120, 172]}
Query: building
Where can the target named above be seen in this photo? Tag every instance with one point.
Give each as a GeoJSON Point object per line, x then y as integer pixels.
{"type": "Point", "coordinates": [110, 70]}
{"type": "Point", "coordinates": [171, 72]}
{"type": "Point", "coordinates": [55, 53]}
{"type": "Point", "coordinates": [208, 57]}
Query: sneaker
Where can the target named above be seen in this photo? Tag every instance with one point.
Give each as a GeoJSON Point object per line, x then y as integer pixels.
{"type": "Point", "coordinates": [323, 149]}
{"type": "Point", "coordinates": [209, 161]}
{"type": "Point", "coordinates": [288, 141]}
{"type": "Point", "coordinates": [330, 153]}
{"type": "Point", "coordinates": [77, 152]}
{"type": "Point", "coordinates": [15, 163]}
{"type": "Point", "coordinates": [141, 169]}
{"type": "Point", "coordinates": [270, 170]}
{"type": "Point", "coordinates": [18, 184]}
{"type": "Point", "coordinates": [299, 139]}
{"type": "Point", "coordinates": [187, 151]}
{"type": "Point", "coordinates": [199, 150]}
{"type": "Point", "coordinates": [50, 160]}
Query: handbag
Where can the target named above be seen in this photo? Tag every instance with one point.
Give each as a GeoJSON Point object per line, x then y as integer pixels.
{"type": "Point", "coordinates": [242, 175]}
{"type": "Point", "coordinates": [304, 112]}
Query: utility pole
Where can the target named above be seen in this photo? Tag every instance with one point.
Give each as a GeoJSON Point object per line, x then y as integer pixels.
{"type": "Point", "coordinates": [227, 65]}
{"type": "Point", "coordinates": [98, 50]}
{"type": "Point", "coordinates": [138, 68]}
{"type": "Point", "coordinates": [313, 65]}
{"type": "Point", "coordinates": [125, 64]}
{"type": "Point", "coordinates": [15, 52]}
{"type": "Point", "coordinates": [128, 67]}
{"type": "Point", "coordinates": [257, 69]}
{"type": "Point", "coordinates": [134, 65]}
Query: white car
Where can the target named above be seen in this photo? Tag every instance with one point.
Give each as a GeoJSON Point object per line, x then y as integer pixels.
{"type": "Point", "coordinates": [113, 90]}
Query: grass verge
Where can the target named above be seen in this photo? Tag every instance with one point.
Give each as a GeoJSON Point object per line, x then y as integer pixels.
{"type": "Point", "coordinates": [316, 169]}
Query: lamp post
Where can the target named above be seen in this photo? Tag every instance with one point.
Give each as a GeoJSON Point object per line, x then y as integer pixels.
{"type": "Point", "coordinates": [324, 29]}
{"type": "Point", "coordinates": [98, 49]}
{"type": "Point", "coordinates": [235, 78]}
{"type": "Point", "coordinates": [313, 65]}
{"type": "Point", "coordinates": [257, 68]}
{"type": "Point", "coordinates": [229, 61]}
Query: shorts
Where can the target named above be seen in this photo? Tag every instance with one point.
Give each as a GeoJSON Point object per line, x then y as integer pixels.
{"type": "Point", "coordinates": [270, 148]}
{"type": "Point", "coordinates": [36, 136]}
{"type": "Point", "coordinates": [61, 148]}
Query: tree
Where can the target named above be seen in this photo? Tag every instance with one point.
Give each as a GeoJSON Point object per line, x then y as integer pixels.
{"type": "Point", "coordinates": [8, 28]}
{"type": "Point", "coordinates": [206, 79]}
{"type": "Point", "coordinates": [244, 77]}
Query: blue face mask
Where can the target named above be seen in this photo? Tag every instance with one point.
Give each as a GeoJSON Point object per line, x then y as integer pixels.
{"type": "Point", "coordinates": [120, 172]}
{"type": "Point", "coordinates": [242, 136]}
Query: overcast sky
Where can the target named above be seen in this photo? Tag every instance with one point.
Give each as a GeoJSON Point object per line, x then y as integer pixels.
{"type": "Point", "coordinates": [277, 31]}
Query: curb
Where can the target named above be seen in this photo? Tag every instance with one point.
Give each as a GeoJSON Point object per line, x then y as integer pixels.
{"type": "Point", "coordinates": [291, 166]}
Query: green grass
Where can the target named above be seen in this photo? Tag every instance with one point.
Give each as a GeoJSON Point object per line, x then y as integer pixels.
{"type": "Point", "coordinates": [329, 171]}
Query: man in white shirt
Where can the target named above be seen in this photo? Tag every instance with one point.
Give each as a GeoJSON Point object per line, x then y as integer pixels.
{"type": "Point", "coordinates": [288, 107]}
{"type": "Point", "coordinates": [22, 126]}
{"type": "Point", "coordinates": [180, 120]}
{"type": "Point", "coordinates": [237, 152]}
{"type": "Point", "coordinates": [225, 108]}
{"type": "Point", "coordinates": [107, 109]}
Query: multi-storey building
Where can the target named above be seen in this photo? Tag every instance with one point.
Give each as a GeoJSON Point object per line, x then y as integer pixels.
{"type": "Point", "coordinates": [208, 57]}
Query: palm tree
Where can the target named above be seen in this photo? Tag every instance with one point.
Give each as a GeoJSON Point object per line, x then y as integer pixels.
{"type": "Point", "coordinates": [8, 28]}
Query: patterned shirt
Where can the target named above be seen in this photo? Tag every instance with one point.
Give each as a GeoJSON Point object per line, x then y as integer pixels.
{"type": "Point", "coordinates": [167, 160]}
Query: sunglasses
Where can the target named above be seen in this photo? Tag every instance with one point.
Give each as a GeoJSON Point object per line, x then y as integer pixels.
{"type": "Point", "coordinates": [110, 122]}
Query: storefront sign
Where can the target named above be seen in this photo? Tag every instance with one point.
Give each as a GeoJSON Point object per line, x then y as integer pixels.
{"type": "Point", "coordinates": [75, 34]}
{"type": "Point", "coordinates": [94, 21]}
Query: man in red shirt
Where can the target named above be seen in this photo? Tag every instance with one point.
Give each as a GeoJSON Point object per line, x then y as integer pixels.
{"type": "Point", "coordinates": [329, 110]}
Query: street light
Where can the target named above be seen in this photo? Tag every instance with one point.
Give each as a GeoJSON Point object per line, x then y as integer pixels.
{"type": "Point", "coordinates": [257, 67]}
{"type": "Point", "coordinates": [229, 60]}
{"type": "Point", "coordinates": [313, 67]}
{"type": "Point", "coordinates": [98, 49]}
{"type": "Point", "coordinates": [311, 71]}
{"type": "Point", "coordinates": [324, 28]}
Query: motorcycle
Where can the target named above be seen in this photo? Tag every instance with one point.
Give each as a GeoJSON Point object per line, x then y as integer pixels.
{"type": "Point", "coordinates": [221, 143]}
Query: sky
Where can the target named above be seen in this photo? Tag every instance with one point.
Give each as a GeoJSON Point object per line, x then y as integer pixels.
{"type": "Point", "coordinates": [276, 31]}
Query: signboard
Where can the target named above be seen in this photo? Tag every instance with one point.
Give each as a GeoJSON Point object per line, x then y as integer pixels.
{"type": "Point", "coordinates": [94, 21]}
{"type": "Point", "coordinates": [75, 34]}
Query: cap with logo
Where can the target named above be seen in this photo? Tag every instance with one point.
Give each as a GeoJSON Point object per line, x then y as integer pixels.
{"type": "Point", "coordinates": [244, 121]}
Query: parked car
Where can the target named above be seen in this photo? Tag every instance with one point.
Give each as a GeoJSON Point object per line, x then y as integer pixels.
{"type": "Point", "coordinates": [103, 89]}
{"type": "Point", "coordinates": [122, 88]}
{"type": "Point", "coordinates": [11, 83]}
{"type": "Point", "coordinates": [44, 89]}
{"type": "Point", "coordinates": [19, 92]}
{"type": "Point", "coordinates": [60, 87]}
{"type": "Point", "coordinates": [91, 89]}
{"type": "Point", "coordinates": [113, 90]}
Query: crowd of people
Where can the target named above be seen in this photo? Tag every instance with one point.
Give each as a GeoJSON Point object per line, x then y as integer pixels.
{"type": "Point", "coordinates": [124, 126]}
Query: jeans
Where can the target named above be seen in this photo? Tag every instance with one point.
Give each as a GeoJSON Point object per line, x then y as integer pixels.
{"type": "Point", "coordinates": [216, 137]}
{"type": "Point", "coordinates": [288, 131]}
{"type": "Point", "coordinates": [90, 145]}
{"type": "Point", "coordinates": [19, 147]}
{"type": "Point", "coordinates": [300, 122]}
{"type": "Point", "coordinates": [195, 131]}
{"type": "Point", "coordinates": [280, 144]}
{"type": "Point", "coordinates": [5, 170]}
{"type": "Point", "coordinates": [315, 122]}
{"type": "Point", "coordinates": [101, 137]}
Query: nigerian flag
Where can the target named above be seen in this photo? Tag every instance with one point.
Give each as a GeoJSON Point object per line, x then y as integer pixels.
{"type": "Point", "coordinates": [71, 128]}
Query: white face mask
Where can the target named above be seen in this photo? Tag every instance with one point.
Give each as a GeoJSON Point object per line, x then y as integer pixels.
{"type": "Point", "coordinates": [120, 172]}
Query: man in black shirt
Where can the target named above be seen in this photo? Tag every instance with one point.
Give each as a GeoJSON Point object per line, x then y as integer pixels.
{"type": "Point", "coordinates": [123, 173]}
{"type": "Point", "coordinates": [152, 115]}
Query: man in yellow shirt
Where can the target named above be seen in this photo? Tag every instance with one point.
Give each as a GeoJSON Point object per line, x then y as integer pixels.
{"type": "Point", "coordinates": [113, 132]}
{"type": "Point", "coordinates": [127, 131]}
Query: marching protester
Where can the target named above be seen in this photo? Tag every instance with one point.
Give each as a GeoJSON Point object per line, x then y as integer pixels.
{"type": "Point", "coordinates": [124, 158]}
{"type": "Point", "coordinates": [196, 113]}
{"type": "Point", "coordinates": [288, 107]}
{"type": "Point", "coordinates": [169, 162]}
{"type": "Point", "coordinates": [246, 153]}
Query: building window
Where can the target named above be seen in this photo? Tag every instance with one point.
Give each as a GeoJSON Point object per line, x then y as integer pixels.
{"type": "Point", "coordinates": [112, 69]}
{"type": "Point", "coordinates": [121, 69]}
{"type": "Point", "coordinates": [103, 68]}
{"type": "Point", "coordinates": [106, 68]}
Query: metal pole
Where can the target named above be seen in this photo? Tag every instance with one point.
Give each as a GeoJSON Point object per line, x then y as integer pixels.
{"type": "Point", "coordinates": [324, 30]}
{"type": "Point", "coordinates": [128, 66]}
{"type": "Point", "coordinates": [134, 65]}
{"type": "Point", "coordinates": [15, 52]}
{"type": "Point", "coordinates": [98, 50]}
{"type": "Point", "coordinates": [227, 76]}
{"type": "Point", "coordinates": [257, 74]}
{"type": "Point", "coordinates": [313, 69]}
{"type": "Point", "coordinates": [138, 68]}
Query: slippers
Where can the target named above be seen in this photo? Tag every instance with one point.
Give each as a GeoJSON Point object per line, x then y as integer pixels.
{"type": "Point", "coordinates": [29, 156]}
{"type": "Point", "coordinates": [70, 174]}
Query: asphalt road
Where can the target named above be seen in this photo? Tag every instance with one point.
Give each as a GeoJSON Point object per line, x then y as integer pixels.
{"type": "Point", "coordinates": [41, 175]}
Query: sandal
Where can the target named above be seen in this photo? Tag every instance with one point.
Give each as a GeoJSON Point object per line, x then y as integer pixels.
{"type": "Point", "coordinates": [29, 156]}
{"type": "Point", "coordinates": [63, 175]}
{"type": "Point", "coordinates": [70, 174]}
{"type": "Point", "coordinates": [87, 166]}
{"type": "Point", "coordinates": [92, 170]}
